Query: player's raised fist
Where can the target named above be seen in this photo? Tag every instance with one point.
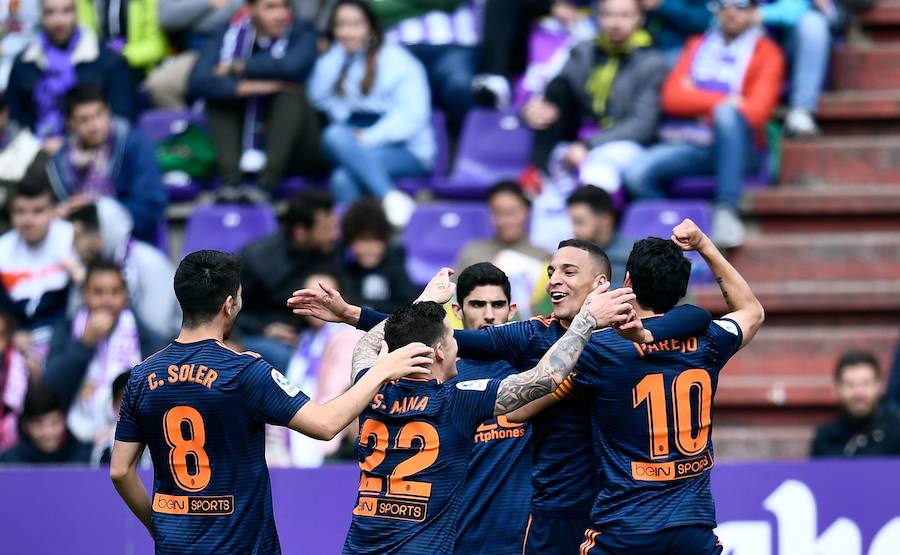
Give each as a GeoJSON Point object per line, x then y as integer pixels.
{"type": "Point", "coordinates": [440, 289]}
{"type": "Point", "coordinates": [410, 359]}
{"type": "Point", "coordinates": [688, 236]}
{"type": "Point", "coordinates": [609, 308]}
{"type": "Point", "coordinates": [323, 303]}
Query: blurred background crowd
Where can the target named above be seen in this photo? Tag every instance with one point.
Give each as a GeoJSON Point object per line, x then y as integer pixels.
{"type": "Point", "coordinates": [363, 145]}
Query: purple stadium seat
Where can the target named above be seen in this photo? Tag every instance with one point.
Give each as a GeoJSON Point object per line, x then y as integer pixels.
{"type": "Point", "coordinates": [493, 146]}
{"type": "Point", "coordinates": [227, 227]}
{"type": "Point", "coordinates": [292, 185]}
{"type": "Point", "coordinates": [656, 218]}
{"type": "Point", "coordinates": [437, 232]}
{"type": "Point", "coordinates": [159, 125]}
{"type": "Point", "coordinates": [441, 160]}
{"type": "Point", "coordinates": [704, 186]}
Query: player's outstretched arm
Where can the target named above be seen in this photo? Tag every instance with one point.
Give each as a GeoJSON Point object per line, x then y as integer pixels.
{"type": "Point", "coordinates": [123, 473]}
{"type": "Point", "coordinates": [601, 309]}
{"type": "Point", "coordinates": [745, 308]}
{"type": "Point", "coordinates": [324, 421]}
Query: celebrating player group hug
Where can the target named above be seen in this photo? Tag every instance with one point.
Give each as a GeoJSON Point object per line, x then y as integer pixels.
{"type": "Point", "coordinates": [587, 432]}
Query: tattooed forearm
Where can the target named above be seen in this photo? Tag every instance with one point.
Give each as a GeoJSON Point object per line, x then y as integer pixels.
{"type": "Point", "coordinates": [520, 389]}
{"type": "Point", "coordinates": [366, 351]}
{"type": "Point", "coordinates": [721, 282]}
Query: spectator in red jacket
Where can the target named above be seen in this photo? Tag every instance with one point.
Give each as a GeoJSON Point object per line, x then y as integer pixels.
{"type": "Point", "coordinates": [717, 101]}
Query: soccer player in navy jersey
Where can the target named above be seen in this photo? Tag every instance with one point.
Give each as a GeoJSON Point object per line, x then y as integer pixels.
{"type": "Point", "coordinates": [202, 409]}
{"type": "Point", "coordinates": [415, 437]}
{"type": "Point", "coordinates": [565, 477]}
{"type": "Point", "coordinates": [493, 511]}
{"type": "Point", "coordinates": [652, 408]}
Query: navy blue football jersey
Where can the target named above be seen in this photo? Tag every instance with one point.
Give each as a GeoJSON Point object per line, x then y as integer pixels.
{"type": "Point", "coordinates": [497, 495]}
{"type": "Point", "coordinates": [564, 477]}
{"type": "Point", "coordinates": [201, 408]}
{"type": "Point", "coordinates": [652, 413]}
{"type": "Point", "coordinates": [415, 439]}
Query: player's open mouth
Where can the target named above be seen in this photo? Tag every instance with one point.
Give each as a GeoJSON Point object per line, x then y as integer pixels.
{"type": "Point", "coordinates": [558, 296]}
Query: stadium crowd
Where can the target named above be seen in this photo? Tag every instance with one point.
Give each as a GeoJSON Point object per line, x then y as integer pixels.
{"type": "Point", "coordinates": [634, 94]}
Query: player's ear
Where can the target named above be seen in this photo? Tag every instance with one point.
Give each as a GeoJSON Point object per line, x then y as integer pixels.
{"type": "Point", "coordinates": [438, 351]}
{"type": "Point", "coordinates": [229, 306]}
{"type": "Point", "coordinates": [599, 280]}
{"type": "Point", "coordinates": [513, 310]}
{"type": "Point", "coordinates": [627, 282]}
{"type": "Point", "coordinates": [457, 311]}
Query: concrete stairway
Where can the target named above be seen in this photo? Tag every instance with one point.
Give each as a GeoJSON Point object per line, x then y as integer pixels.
{"type": "Point", "coordinates": [824, 257]}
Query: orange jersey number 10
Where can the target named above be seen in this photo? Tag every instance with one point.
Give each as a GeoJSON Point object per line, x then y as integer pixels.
{"type": "Point", "coordinates": [652, 389]}
{"type": "Point", "coordinates": [421, 436]}
{"type": "Point", "coordinates": [187, 446]}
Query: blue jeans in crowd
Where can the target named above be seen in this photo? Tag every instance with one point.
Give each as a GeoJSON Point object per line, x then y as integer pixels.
{"type": "Point", "coordinates": [451, 69]}
{"type": "Point", "coordinates": [808, 46]}
{"type": "Point", "coordinates": [363, 171]}
{"type": "Point", "coordinates": [730, 157]}
{"type": "Point", "coordinates": [275, 352]}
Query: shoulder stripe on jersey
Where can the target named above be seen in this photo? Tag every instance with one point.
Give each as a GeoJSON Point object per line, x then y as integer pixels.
{"type": "Point", "coordinates": [248, 353]}
{"type": "Point", "coordinates": [527, 529]}
{"type": "Point", "coordinates": [590, 541]}
{"type": "Point", "coordinates": [544, 320]}
{"type": "Point", "coordinates": [156, 353]}
{"type": "Point", "coordinates": [564, 390]}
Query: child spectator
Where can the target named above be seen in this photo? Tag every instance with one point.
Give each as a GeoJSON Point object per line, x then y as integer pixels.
{"type": "Point", "coordinates": [375, 95]}
{"type": "Point", "coordinates": [375, 269]}
{"type": "Point", "coordinates": [87, 352]}
{"type": "Point", "coordinates": [251, 76]}
{"type": "Point", "coordinates": [61, 55]}
{"type": "Point", "coordinates": [718, 100]}
{"type": "Point", "coordinates": [612, 82]}
{"type": "Point", "coordinates": [105, 157]}
{"type": "Point", "coordinates": [44, 438]}
{"type": "Point", "coordinates": [104, 442]}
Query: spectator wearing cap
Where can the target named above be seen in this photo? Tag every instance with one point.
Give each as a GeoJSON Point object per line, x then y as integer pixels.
{"type": "Point", "coordinates": [717, 102]}
{"type": "Point", "coordinates": [252, 76]}
{"type": "Point", "coordinates": [611, 83]}
{"type": "Point", "coordinates": [375, 95]}
{"type": "Point", "coordinates": [104, 156]}
{"type": "Point", "coordinates": [275, 266]}
{"type": "Point", "coordinates": [509, 249]}
{"type": "Point", "coordinates": [374, 268]}
{"type": "Point", "coordinates": [88, 351]}
{"type": "Point", "coordinates": [865, 427]}
{"type": "Point", "coordinates": [60, 55]}
{"type": "Point", "coordinates": [43, 436]}
{"type": "Point", "coordinates": [803, 27]}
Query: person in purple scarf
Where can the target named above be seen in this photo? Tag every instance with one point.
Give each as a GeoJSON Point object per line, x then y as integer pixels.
{"type": "Point", "coordinates": [61, 55]}
{"type": "Point", "coordinates": [104, 156]}
{"type": "Point", "coordinates": [251, 75]}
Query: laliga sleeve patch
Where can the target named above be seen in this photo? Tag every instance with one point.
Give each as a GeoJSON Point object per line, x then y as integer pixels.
{"type": "Point", "coordinates": [728, 326]}
{"type": "Point", "coordinates": [284, 383]}
{"type": "Point", "coordinates": [473, 385]}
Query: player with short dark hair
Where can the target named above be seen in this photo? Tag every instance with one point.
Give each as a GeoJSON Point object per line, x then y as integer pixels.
{"type": "Point", "coordinates": [652, 407]}
{"type": "Point", "coordinates": [564, 475]}
{"type": "Point", "coordinates": [202, 407]}
{"type": "Point", "coordinates": [497, 493]}
{"type": "Point", "coordinates": [416, 436]}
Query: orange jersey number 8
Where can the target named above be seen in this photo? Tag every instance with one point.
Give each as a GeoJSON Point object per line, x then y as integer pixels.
{"type": "Point", "coordinates": [184, 448]}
